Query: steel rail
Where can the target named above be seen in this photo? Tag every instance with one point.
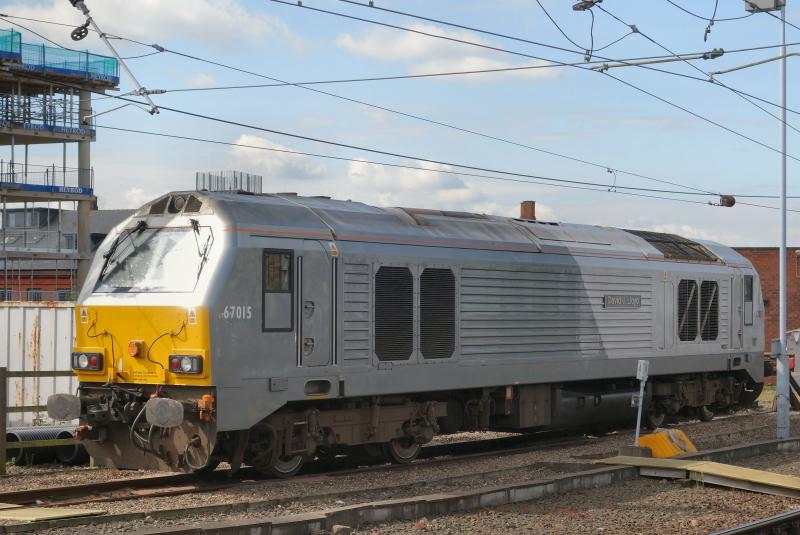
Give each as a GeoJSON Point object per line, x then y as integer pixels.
{"type": "Point", "coordinates": [765, 525]}
{"type": "Point", "coordinates": [430, 455]}
{"type": "Point", "coordinates": [227, 518]}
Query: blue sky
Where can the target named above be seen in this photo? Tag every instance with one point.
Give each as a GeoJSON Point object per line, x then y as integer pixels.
{"type": "Point", "coordinates": [565, 110]}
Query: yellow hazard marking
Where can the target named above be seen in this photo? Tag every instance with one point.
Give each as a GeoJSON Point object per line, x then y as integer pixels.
{"type": "Point", "coordinates": [670, 443]}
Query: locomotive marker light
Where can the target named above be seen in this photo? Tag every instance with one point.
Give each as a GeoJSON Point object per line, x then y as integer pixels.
{"type": "Point", "coordinates": [186, 364]}
{"type": "Point", "coordinates": [87, 361]}
{"type": "Point", "coordinates": [642, 367]}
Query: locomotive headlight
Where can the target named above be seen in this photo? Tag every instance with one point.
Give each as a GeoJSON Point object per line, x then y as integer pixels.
{"type": "Point", "coordinates": [87, 361]}
{"type": "Point", "coordinates": [186, 364]}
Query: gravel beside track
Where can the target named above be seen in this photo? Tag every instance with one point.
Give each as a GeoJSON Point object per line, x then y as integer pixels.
{"type": "Point", "coordinates": [644, 505]}
{"type": "Point", "coordinates": [27, 478]}
{"type": "Point", "coordinates": [278, 498]}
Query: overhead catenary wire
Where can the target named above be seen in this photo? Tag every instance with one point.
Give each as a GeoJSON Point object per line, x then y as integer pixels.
{"type": "Point", "coordinates": [773, 15]}
{"type": "Point", "coordinates": [701, 17]}
{"type": "Point", "coordinates": [711, 21]}
{"type": "Point", "coordinates": [460, 129]}
{"type": "Point", "coordinates": [472, 43]}
{"type": "Point", "coordinates": [695, 67]}
{"type": "Point", "coordinates": [423, 169]}
{"type": "Point", "coordinates": [510, 37]}
{"type": "Point", "coordinates": [589, 51]}
{"type": "Point", "coordinates": [340, 144]}
{"type": "Point", "coordinates": [727, 52]}
{"type": "Point", "coordinates": [470, 167]}
{"type": "Point", "coordinates": [516, 177]}
{"type": "Point", "coordinates": [439, 123]}
{"type": "Point", "coordinates": [431, 121]}
{"type": "Point", "coordinates": [459, 73]}
{"type": "Point", "coordinates": [552, 63]}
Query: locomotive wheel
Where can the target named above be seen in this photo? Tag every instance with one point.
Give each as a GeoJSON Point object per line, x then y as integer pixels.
{"type": "Point", "coordinates": [705, 414]}
{"type": "Point", "coordinates": [263, 456]}
{"type": "Point", "coordinates": [286, 466]}
{"type": "Point", "coordinates": [401, 450]}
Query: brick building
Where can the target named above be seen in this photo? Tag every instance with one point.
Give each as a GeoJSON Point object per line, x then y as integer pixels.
{"type": "Point", "coordinates": [765, 260]}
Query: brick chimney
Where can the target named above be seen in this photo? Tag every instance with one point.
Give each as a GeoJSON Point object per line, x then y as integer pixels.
{"type": "Point", "coordinates": [527, 210]}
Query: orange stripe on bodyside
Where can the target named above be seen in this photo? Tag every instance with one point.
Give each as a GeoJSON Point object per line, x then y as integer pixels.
{"type": "Point", "coordinates": [487, 246]}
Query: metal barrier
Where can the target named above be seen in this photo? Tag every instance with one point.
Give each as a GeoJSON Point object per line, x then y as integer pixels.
{"type": "Point", "coordinates": [59, 60]}
{"type": "Point", "coordinates": [62, 179]}
{"type": "Point", "coordinates": [10, 44]}
{"type": "Point", "coordinates": [5, 409]}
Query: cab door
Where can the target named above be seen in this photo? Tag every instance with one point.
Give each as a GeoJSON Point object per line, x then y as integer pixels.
{"type": "Point", "coordinates": [316, 306]}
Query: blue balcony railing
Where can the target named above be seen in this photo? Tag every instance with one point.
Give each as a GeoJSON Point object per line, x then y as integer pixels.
{"type": "Point", "coordinates": [41, 58]}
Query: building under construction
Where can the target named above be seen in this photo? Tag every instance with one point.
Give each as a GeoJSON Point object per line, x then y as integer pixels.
{"type": "Point", "coordinates": [46, 101]}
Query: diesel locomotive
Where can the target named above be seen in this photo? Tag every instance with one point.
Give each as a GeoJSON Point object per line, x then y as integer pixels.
{"type": "Point", "coordinates": [268, 329]}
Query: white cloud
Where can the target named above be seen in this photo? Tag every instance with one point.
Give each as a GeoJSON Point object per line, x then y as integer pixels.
{"type": "Point", "coordinates": [201, 79]}
{"type": "Point", "coordinates": [396, 186]}
{"type": "Point", "coordinates": [687, 231]}
{"type": "Point", "coordinates": [137, 196]}
{"type": "Point", "coordinates": [276, 167]}
{"type": "Point", "coordinates": [225, 22]}
{"type": "Point", "coordinates": [423, 54]}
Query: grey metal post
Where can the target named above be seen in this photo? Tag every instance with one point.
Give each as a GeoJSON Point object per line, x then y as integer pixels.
{"type": "Point", "coordinates": [639, 413]}
{"type": "Point", "coordinates": [3, 422]}
{"type": "Point", "coordinates": [84, 181]}
{"type": "Point", "coordinates": [782, 390]}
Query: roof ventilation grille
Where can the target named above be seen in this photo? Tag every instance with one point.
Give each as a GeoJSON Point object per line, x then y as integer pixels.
{"type": "Point", "coordinates": [232, 181]}
{"type": "Point", "coordinates": [675, 247]}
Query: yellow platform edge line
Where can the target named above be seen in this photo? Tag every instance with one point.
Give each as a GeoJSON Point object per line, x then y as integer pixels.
{"type": "Point", "coordinates": [36, 514]}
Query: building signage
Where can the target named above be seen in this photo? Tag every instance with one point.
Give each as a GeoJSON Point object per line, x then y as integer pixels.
{"type": "Point", "coordinates": [622, 301]}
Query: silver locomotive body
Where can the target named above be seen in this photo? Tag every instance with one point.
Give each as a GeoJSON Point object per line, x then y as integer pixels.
{"type": "Point", "coordinates": [334, 323]}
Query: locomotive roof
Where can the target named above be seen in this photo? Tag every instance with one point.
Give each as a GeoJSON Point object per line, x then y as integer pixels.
{"type": "Point", "coordinates": [295, 216]}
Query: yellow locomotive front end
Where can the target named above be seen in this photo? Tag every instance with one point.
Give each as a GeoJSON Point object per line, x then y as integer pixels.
{"type": "Point", "coordinates": [164, 345]}
{"type": "Point", "coordinates": [142, 349]}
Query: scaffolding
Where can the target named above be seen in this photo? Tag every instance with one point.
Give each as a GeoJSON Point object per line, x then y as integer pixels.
{"type": "Point", "coordinates": [45, 98]}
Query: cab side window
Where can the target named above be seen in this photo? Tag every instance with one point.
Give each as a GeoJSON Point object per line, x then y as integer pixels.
{"type": "Point", "coordinates": [277, 291]}
{"type": "Point", "coordinates": [748, 299]}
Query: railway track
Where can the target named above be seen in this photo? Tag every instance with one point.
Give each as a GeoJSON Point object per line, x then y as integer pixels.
{"type": "Point", "coordinates": [312, 512]}
{"type": "Point", "coordinates": [171, 484]}
{"type": "Point", "coordinates": [788, 522]}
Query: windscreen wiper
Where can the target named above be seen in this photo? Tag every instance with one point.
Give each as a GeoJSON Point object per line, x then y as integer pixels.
{"type": "Point", "coordinates": [203, 252]}
{"type": "Point", "coordinates": [139, 228]}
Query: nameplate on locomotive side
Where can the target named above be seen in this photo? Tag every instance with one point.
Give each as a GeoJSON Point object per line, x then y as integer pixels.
{"type": "Point", "coordinates": [622, 301]}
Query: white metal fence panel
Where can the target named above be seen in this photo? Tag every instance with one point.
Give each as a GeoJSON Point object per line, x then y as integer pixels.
{"type": "Point", "coordinates": [36, 336]}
